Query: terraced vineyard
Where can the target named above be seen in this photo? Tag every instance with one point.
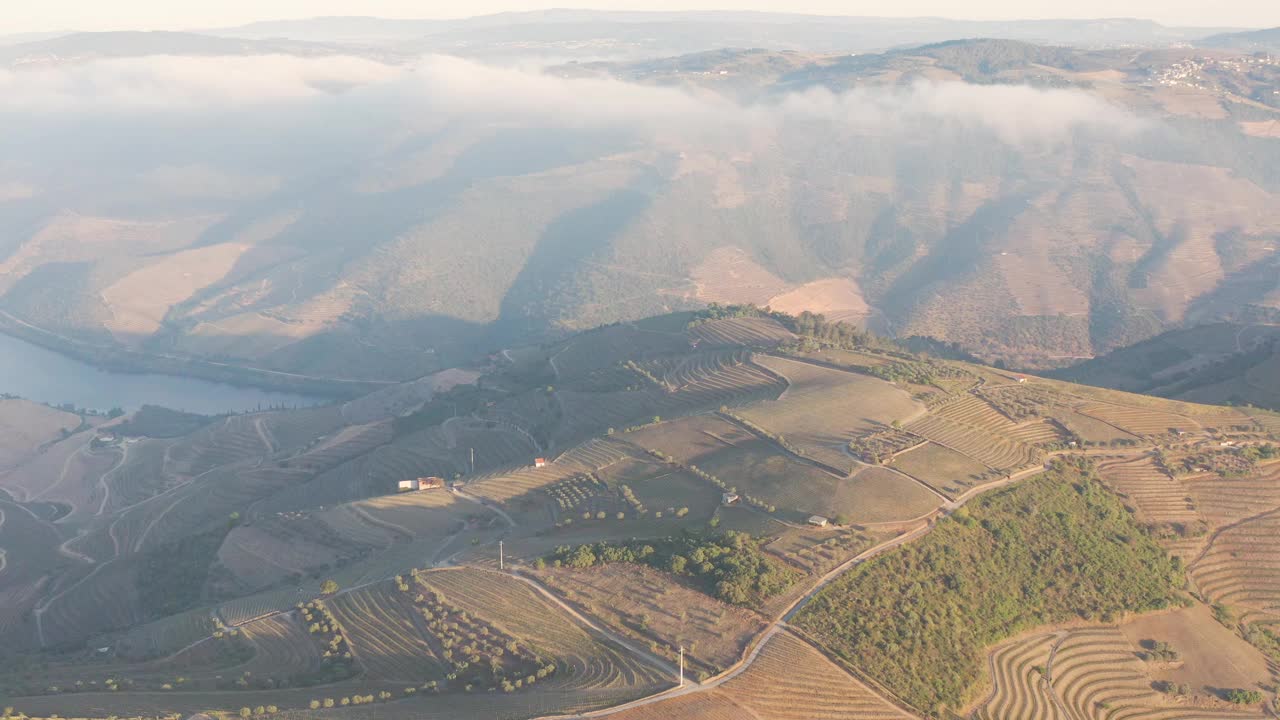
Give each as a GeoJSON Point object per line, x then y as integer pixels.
{"type": "Point", "coordinates": [591, 671]}
{"type": "Point", "coordinates": [1138, 420]}
{"type": "Point", "coordinates": [1036, 432]}
{"type": "Point", "coordinates": [1157, 496]}
{"type": "Point", "coordinates": [973, 411]}
{"type": "Point", "coordinates": [387, 635]}
{"type": "Point", "coordinates": [589, 457]}
{"type": "Point", "coordinates": [757, 468]}
{"type": "Point", "coordinates": [639, 602]}
{"type": "Point", "coordinates": [1095, 672]}
{"type": "Point", "coordinates": [789, 680]}
{"type": "Point", "coordinates": [1224, 500]}
{"type": "Point", "coordinates": [1241, 567]}
{"type": "Point", "coordinates": [994, 451]}
{"type": "Point", "coordinates": [165, 636]}
{"type": "Point", "coordinates": [792, 681]}
{"type": "Point", "coordinates": [706, 384]}
{"type": "Point", "coordinates": [1021, 688]}
{"type": "Point", "coordinates": [233, 440]}
{"type": "Point", "coordinates": [283, 648]}
{"type": "Point", "coordinates": [1086, 674]}
{"type": "Point", "coordinates": [1268, 420]}
{"type": "Point", "coordinates": [738, 332]}
{"type": "Point", "coordinates": [823, 409]}
{"type": "Point", "coordinates": [138, 478]}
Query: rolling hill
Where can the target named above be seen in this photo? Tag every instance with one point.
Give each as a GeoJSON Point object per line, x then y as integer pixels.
{"type": "Point", "coordinates": [758, 488]}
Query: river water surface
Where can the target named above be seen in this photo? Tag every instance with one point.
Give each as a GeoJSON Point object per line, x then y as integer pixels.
{"type": "Point", "coordinates": [35, 373]}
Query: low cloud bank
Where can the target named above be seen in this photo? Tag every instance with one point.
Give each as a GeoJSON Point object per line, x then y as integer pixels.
{"type": "Point", "coordinates": [445, 87]}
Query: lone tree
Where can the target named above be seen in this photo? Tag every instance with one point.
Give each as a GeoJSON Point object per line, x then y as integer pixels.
{"type": "Point", "coordinates": [329, 587]}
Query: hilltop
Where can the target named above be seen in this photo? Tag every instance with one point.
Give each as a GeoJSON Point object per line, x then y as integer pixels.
{"type": "Point", "coordinates": [720, 480]}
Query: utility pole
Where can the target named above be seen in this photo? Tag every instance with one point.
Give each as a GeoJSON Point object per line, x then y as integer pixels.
{"type": "Point", "coordinates": [473, 461]}
{"type": "Point", "coordinates": [681, 666]}
{"type": "Point", "coordinates": [502, 561]}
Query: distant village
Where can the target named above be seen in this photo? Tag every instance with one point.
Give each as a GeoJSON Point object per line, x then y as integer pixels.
{"type": "Point", "coordinates": [1190, 72]}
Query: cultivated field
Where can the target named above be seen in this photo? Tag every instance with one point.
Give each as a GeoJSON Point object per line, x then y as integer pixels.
{"type": "Point", "coordinates": [388, 636]}
{"type": "Point", "coordinates": [1139, 420]}
{"type": "Point", "coordinates": [788, 681]}
{"type": "Point", "coordinates": [996, 451]}
{"type": "Point", "coordinates": [591, 671]}
{"type": "Point", "coordinates": [758, 468]}
{"type": "Point", "coordinates": [943, 469]}
{"type": "Point", "coordinates": [817, 550]}
{"type": "Point", "coordinates": [1210, 656]}
{"type": "Point", "coordinates": [659, 614]}
{"type": "Point", "coordinates": [1107, 672]}
{"type": "Point", "coordinates": [27, 426]}
{"type": "Point", "coordinates": [1241, 566]}
{"type": "Point", "coordinates": [738, 332]}
{"type": "Point", "coordinates": [1157, 496]}
{"type": "Point", "coordinates": [823, 409]}
{"type": "Point", "coordinates": [970, 410]}
{"type": "Point", "coordinates": [1091, 429]}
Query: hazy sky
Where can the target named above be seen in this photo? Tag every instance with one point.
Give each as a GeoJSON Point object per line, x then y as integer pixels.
{"type": "Point", "coordinates": [47, 15]}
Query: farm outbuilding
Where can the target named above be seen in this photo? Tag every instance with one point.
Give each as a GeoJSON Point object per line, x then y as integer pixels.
{"type": "Point", "coordinates": [818, 521]}
{"type": "Point", "coordinates": [539, 462]}
{"type": "Point", "coordinates": [422, 483]}
{"type": "Point", "coordinates": [729, 499]}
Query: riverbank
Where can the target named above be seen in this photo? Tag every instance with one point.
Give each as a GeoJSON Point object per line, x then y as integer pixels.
{"type": "Point", "coordinates": [116, 359]}
{"type": "Point", "coordinates": [46, 376]}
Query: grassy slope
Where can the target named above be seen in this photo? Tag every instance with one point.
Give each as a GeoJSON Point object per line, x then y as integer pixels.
{"type": "Point", "coordinates": [1051, 549]}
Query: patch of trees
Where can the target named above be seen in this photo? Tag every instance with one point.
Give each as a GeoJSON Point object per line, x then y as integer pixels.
{"type": "Point", "coordinates": [459, 400]}
{"type": "Point", "coordinates": [1234, 462]}
{"type": "Point", "coordinates": [1265, 639]}
{"type": "Point", "coordinates": [337, 662]}
{"type": "Point", "coordinates": [160, 422]}
{"type": "Point", "coordinates": [1051, 549]}
{"type": "Point", "coordinates": [171, 577]}
{"type": "Point", "coordinates": [643, 372]}
{"type": "Point", "coordinates": [880, 447]}
{"type": "Point", "coordinates": [728, 566]}
{"type": "Point", "coordinates": [1241, 696]}
{"type": "Point", "coordinates": [1159, 651]}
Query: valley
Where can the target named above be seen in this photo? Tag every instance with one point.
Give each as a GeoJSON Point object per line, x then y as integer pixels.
{"type": "Point", "coordinates": [704, 365]}
{"type": "Point", "coordinates": [265, 559]}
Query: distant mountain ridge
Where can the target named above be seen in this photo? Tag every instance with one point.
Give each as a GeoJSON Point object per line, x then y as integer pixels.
{"type": "Point", "coordinates": [1025, 202]}
{"type": "Point", "coordinates": [1268, 40]}
{"type": "Point", "coordinates": [651, 34]}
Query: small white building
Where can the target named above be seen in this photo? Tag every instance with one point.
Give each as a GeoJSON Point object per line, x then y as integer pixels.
{"type": "Point", "coordinates": [729, 499]}
{"type": "Point", "coordinates": [818, 521]}
{"type": "Point", "coordinates": [408, 485]}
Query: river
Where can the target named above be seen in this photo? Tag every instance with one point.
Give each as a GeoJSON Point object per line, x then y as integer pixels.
{"type": "Point", "coordinates": [35, 373]}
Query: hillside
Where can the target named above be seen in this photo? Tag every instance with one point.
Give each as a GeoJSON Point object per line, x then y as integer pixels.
{"type": "Point", "coordinates": [623, 493]}
{"type": "Point", "coordinates": [1052, 228]}
{"type": "Point", "coordinates": [1219, 363]}
{"type": "Point", "coordinates": [1253, 41]}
